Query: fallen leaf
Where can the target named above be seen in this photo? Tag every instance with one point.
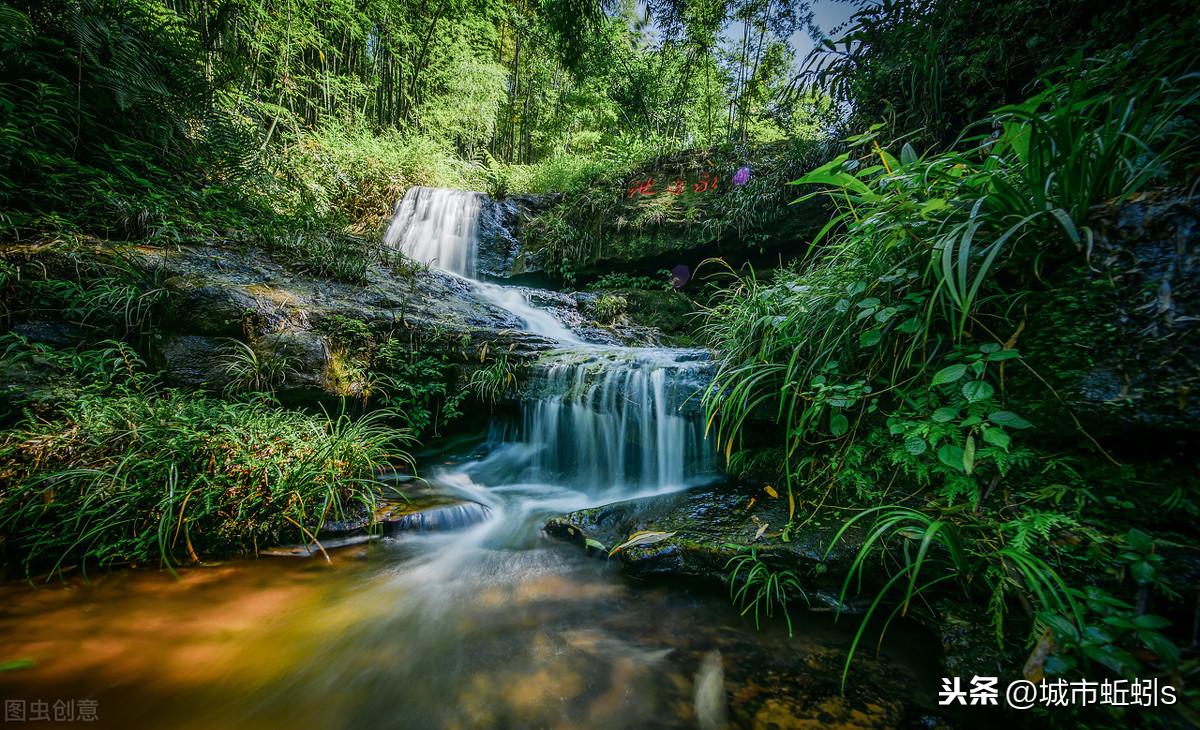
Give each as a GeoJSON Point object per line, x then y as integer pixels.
{"type": "Point", "coordinates": [1035, 665]}
{"type": "Point", "coordinates": [644, 537]}
{"type": "Point", "coordinates": [771, 491]}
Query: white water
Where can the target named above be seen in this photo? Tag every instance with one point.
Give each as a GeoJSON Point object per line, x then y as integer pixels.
{"type": "Point", "coordinates": [438, 227]}
{"type": "Point", "coordinates": [612, 419]}
{"type": "Point", "coordinates": [537, 321]}
{"type": "Point", "coordinates": [598, 423]}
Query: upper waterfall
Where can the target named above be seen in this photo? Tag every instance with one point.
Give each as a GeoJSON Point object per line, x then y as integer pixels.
{"type": "Point", "coordinates": [439, 227]}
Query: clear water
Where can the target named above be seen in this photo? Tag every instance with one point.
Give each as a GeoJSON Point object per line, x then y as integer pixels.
{"type": "Point", "coordinates": [451, 630]}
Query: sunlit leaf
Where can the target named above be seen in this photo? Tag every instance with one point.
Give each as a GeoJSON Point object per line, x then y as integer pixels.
{"type": "Point", "coordinates": [644, 537]}
{"type": "Point", "coordinates": [977, 390]}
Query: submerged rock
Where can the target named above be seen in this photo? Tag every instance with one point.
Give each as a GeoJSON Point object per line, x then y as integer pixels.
{"type": "Point", "coordinates": [454, 515]}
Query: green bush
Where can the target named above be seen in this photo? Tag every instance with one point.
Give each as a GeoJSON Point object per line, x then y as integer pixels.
{"type": "Point", "coordinates": [890, 362]}
{"type": "Point", "coordinates": [608, 308]}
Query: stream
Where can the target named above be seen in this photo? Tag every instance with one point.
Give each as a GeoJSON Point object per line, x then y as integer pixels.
{"type": "Point", "coordinates": [490, 624]}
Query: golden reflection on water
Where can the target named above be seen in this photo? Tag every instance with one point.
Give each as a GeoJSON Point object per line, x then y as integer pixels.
{"type": "Point", "coordinates": [298, 643]}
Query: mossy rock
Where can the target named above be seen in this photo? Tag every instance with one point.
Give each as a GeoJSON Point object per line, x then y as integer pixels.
{"type": "Point", "coordinates": [710, 525]}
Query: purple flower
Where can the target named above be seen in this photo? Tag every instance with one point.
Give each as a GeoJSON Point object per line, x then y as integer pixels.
{"type": "Point", "coordinates": [742, 176]}
{"type": "Point", "coordinates": [680, 276]}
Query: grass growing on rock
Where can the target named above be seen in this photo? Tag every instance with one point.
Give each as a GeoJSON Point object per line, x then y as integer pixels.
{"type": "Point", "coordinates": [126, 472]}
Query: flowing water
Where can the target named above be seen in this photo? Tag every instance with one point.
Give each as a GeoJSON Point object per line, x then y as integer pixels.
{"type": "Point", "coordinates": [487, 625]}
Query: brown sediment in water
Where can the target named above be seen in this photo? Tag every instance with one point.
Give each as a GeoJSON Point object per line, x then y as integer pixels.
{"type": "Point", "coordinates": [531, 638]}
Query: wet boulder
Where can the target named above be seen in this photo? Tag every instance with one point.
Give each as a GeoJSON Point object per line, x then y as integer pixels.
{"type": "Point", "coordinates": [705, 527]}
{"type": "Point", "coordinates": [501, 227]}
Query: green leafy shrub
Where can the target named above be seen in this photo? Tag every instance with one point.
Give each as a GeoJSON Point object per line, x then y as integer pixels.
{"type": "Point", "coordinates": [889, 363]}
{"type": "Point", "coordinates": [608, 308]}
{"type": "Point", "coordinates": [621, 280]}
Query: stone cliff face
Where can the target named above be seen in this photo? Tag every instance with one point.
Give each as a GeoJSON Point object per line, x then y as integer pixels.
{"type": "Point", "coordinates": [1145, 375]}
{"type": "Point", "coordinates": [679, 209]}
{"type": "Point", "coordinates": [503, 225]}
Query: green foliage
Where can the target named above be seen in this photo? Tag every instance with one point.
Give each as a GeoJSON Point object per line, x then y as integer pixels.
{"type": "Point", "coordinates": [889, 364]}
{"type": "Point", "coordinates": [934, 549]}
{"type": "Point", "coordinates": [621, 280]}
{"type": "Point", "coordinates": [754, 587]}
{"type": "Point", "coordinates": [930, 68]}
{"type": "Point", "coordinates": [128, 473]}
{"type": "Point", "coordinates": [879, 311]}
{"type": "Point", "coordinates": [295, 124]}
{"type": "Point", "coordinates": [415, 378]}
{"type": "Point", "coordinates": [100, 293]}
{"type": "Point", "coordinates": [253, 372]}
{"type": "Point", "coordinates": [608, 308]}
{"type": "Point", "coordinates": [1111, 627]}
{"type": "Point", "coordinates": [490, 384]}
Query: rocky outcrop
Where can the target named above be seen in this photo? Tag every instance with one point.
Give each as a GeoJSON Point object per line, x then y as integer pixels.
{"type": "Point", "coordinates": [1144, 375]}
{"type": "Point", "coordinates": [502, 225]}
{"type": "Point", "coordinates": [697, 532]}
{"type": "Point", "coordinates": [678, 209]}
{"type": "Point", "coordinates": [285, 316]}
{"type": "Point", "coordinates": [710, 525]}
{"type": "Point", "coordinates": [214, 297]}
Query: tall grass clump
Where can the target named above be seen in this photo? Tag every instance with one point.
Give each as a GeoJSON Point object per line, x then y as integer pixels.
{"type": "Point", "coordinates": [126, 472]}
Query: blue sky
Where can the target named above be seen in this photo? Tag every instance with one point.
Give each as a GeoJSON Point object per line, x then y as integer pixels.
{"type": "Point", "coordinates": [827, 15]}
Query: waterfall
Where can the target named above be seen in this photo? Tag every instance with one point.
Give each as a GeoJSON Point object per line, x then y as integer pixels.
{"type": "Point", "coordinates": [616, 418]}
{"type": "Point", "coordinates": [439, 227]}
{"type": "Point", "coordinates": [598, 420]}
